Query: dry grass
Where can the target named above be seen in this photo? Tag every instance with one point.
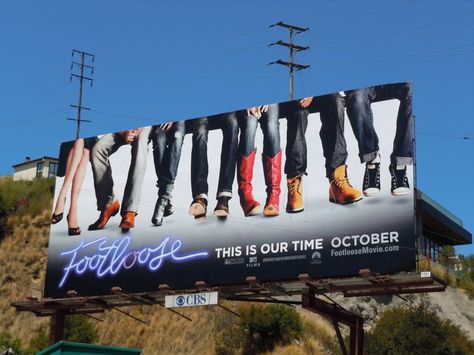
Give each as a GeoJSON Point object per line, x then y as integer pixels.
{"type": "Point", "coordinates": [24, 255]}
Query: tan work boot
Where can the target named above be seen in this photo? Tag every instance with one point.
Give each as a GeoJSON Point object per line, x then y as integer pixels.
{"type": "Point", "coordinates": [295, 195]}
{"type": "Point", "coordinates": [340, 190]}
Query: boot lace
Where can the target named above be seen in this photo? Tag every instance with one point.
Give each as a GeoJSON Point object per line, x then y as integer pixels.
{"type": "Point", "coordinates": [294, 186]}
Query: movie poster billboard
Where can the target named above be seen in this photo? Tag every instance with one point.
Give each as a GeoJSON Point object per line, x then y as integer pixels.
{"type": "Point", "coordinates": [319, 185]}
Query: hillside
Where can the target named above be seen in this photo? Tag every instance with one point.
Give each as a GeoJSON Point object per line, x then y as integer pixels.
{"type": "Point", "coordinates": [23, 251]}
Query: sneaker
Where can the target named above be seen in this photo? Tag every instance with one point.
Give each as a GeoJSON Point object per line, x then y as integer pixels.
{"type": "Point", "coordinates": [198, 208]}
{"type": "Point", "coordinates": [340, 190]}
{"type": "Point", "coordinates": [371, 184]}
{"type": "Point", "coordinates": [222, 208]}
{"type": "Point", "coordinates": [400, 186]}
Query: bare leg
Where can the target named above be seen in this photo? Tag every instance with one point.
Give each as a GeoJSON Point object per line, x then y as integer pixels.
{"type": "Point", "coordinates": [76, 188]}
{"type": "Point", "coordinates": [73, 160]}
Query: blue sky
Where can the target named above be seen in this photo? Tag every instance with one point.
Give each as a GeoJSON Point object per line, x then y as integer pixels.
{"type": "Point", "coordinates": [163, 60]}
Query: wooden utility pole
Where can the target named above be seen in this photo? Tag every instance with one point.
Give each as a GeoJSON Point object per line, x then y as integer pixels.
{"type": "Point", "coordinates": [82, 67]}
{"type": "Point", "coordinates": [293, 49]}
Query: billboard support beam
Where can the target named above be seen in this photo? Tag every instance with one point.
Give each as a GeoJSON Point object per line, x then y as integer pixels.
{"type": "Point", "coordinates": [57, 327]}
{"type": "Point", "coordinates": [336, 314]}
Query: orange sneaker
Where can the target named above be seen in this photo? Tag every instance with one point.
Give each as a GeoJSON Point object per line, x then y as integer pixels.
{"type": "Point", "coordinates": [340, 190]}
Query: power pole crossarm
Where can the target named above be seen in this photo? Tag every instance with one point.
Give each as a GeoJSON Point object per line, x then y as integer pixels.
{"type": "Point", "coordinates": [294, 65]}
{"type": "Point", "coordinates": [289, 45]}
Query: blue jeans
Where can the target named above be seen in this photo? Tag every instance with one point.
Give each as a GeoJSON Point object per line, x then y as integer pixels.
{"type": "Point", "coordinates": [199, 164]}
{"type": "Point", "coordinates": [331, 112]}
{"type": "Point", "coordinates": [167, 151]}
{"type": "Point", "coordinates": [361, 117]}
{"type": "Point", "coordinates": [271, 132]}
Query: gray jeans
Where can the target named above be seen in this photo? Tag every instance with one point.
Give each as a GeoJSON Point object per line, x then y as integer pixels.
{"type": "Point", "coordinates": [103, 181]}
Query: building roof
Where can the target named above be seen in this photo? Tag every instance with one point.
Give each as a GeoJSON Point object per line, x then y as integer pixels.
{"type": "Point", "coordinates": [438, 221]}
{"type": "Point", "coordinates": [35, 160]}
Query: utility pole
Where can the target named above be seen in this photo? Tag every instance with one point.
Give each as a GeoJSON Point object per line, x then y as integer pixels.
{"type": "Point", "coordinates": [294, 30]}
{"type": "Point", "coordinates": [82, 66]}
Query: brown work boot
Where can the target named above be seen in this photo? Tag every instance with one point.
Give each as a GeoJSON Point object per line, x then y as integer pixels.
{"type": "Point", "coordinates": [222, 208]}
{"type": "Point", "coordinates": [295, 195]}
{"type": "Point", "coordinates": [110, 210]}
{"type": "Point", "coordinates": [340, 190]}
{"type": "Point", "coordinates": [128, 221]}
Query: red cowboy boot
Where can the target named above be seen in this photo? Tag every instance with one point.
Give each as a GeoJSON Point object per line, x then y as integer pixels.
{"type": "Point", "coordinates": [244, 178]}
{"type": "Point", "coordinates": [272, 171]}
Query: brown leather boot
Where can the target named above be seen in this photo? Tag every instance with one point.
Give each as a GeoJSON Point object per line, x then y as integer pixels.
{"type": "Point", "coordinates": [244, 178]}
{"type": "Point", "coordinates": [272, 172]}
{"type": "Point", "coordinates": [110, 210]}
{"type": "Point", "coordinates": [340, 190]}
{"type": "Point", "coordinates": [295, 195]}
{"type": "Point", "coordinates": [198, 208]}
{"type": "Point", "coordinates": [128, 221]}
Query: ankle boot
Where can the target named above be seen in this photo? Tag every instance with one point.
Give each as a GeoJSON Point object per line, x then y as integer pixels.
{"type": "Point", "coordinates": [272, 172]}
{"type": "Point", "coordinates": [295, 195]}
{"type": "Point", "coordinates": [340, 190]}
{"type": "Point", "coordinates": [244, 178]}
{"type": "Point", "coordinates": [164, 196]}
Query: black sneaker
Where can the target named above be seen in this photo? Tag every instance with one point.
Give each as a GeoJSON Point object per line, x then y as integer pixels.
{"type": "Point", "coordinates": [222, 208]}
{"type": "Point", "coordinates": [400, 186]}
{"type": "Point", "coordinates": [371, 184]}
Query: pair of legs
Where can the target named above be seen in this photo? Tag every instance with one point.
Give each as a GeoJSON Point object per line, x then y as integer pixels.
{"type": "Point", "coordinates": [104, 183]}
{"type": "Point", "coordinates": [361, 117]}
{"type": "Point", "coordinates": [331, 111]}
{"type": "Point", "coordinates": [76, 166]}
{"type": "Point", "coordinates": [227, 123]}
{"type": "Point", "coordinates": [271, 158]}
{"type": "Point", "coordinates": [167, 144]}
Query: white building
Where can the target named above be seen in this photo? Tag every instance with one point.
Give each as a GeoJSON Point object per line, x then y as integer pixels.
{"type": "Point", "coordinates": [28, 170]}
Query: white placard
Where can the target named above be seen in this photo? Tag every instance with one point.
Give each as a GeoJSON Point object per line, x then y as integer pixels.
{"type": "Point", "coordinates": [191, 299]}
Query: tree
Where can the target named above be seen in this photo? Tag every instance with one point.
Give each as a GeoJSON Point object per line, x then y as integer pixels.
{"type": "Point", "coordinates": [416, 330]}
{"type": "Point", "coordinates": [79, 329]}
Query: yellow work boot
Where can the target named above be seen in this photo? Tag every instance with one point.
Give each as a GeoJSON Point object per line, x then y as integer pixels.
{"type": "Point", "coordinates": [340, 190]}
{"type": "Point", "coordinates": [295, 195]}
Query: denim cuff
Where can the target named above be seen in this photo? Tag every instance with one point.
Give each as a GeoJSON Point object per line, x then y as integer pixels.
{"type": "Point", "coordinates": [365, 158]}
{"type": "Point", "coordinates": [224, 194]}
{"type": "Point", "coordinates": [401, 160]}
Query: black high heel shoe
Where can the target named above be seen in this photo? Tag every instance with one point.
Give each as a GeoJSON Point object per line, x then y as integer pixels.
{"type": "Point", "coordinates": [74, 231]}
{"type": "Point", "coordinates": [56, 218]}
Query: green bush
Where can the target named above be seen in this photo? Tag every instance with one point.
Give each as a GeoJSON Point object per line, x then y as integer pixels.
{"type": "Point", "coordinates": [259, 329]}
{"type": "Point", "coordinates": [416, 330]}
{"type": "Point", "coordinates": [265, 326]}
{"type": "Point", "coordinates": [23, 198]}
{"type": "Point", "coordinates": [78, 328]}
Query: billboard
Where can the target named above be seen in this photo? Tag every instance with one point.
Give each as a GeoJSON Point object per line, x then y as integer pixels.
{"type": "Point", "coordinates": [320, 186]}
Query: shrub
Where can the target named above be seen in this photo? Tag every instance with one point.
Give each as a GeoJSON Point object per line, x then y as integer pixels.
{"type": "Point", "coordinates": [265, 326]}
{"type": "Point", "coordinates": [79, 329]}
{"type": "Point", "coordinates": [23, 198]}
{"type": "Point", "coordinates": [416, 330]}
{"type": "Point", "coordinates": [259, 329]}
